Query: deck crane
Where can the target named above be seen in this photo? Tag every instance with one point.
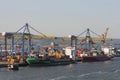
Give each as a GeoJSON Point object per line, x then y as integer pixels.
{"type": "Point", "coordinates": [105, 35]}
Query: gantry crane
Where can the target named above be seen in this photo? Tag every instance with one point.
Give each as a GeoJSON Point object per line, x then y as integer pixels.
{"type": "Point", "coordinates": [23, 34]}
{"type": "Point", "coordinates": [26, 35]}
{"type": "Point", "coordinates": [90, 42]}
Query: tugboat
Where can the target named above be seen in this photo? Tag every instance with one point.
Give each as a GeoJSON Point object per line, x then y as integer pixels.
{"type": "Point", "coordinates": [12, 65]}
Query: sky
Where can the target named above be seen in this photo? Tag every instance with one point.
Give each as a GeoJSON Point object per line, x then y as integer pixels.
{"type": "Point", "coordinates": [61, 17]}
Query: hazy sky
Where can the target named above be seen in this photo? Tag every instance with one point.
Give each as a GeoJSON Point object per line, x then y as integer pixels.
{"type": "Point", "coordinates": [61, 17]}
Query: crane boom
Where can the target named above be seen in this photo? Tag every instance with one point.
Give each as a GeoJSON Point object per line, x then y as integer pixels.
{"type": "Point", "coordinates": [105, 34]}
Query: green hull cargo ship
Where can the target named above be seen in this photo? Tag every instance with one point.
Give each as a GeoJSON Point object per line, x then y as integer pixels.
{"type": "Point", "coordinates": [51, 62]}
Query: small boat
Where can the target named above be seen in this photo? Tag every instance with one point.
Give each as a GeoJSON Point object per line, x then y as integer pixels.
{"type": "Point", "coordinates": [117, 53]}
{"type": "Point", "coordinates": [13, 67]}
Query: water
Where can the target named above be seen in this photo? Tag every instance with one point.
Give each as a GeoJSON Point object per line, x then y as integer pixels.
{"type": "Point", "coordinates": [108, 70]}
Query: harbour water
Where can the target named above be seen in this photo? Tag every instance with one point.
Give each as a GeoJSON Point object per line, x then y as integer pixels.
{"type": "Point", "coordinates": [108, 70]}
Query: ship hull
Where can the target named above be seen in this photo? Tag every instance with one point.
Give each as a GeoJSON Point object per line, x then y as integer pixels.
{"type": "Point", "coordinates": [95, 58]}
{"type": "Point", "coordinates": [35, 62]}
